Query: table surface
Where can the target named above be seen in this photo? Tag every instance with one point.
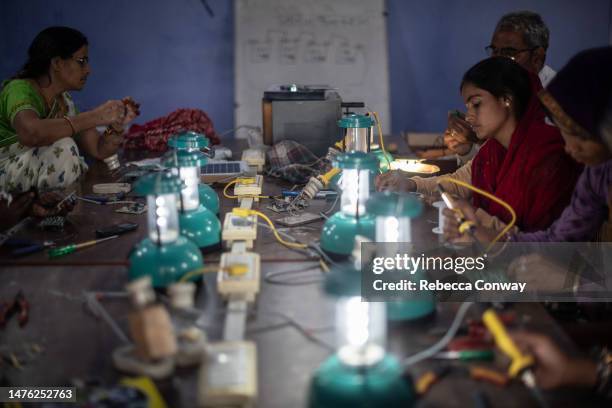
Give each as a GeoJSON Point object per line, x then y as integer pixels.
{"type": "Point", "coordinates": [77, 344]}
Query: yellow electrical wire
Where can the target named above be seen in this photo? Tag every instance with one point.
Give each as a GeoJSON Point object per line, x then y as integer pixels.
{"type": "Point", "coordinates": [245, 212]}
{"type": "Point", "coordinates": [380, 138]}
{"type": "Point", "coordinates": [199, 271]}
{"type": "Point", "coordinates": [491, 197]}
{"type": "Point", "coordinates": [226, 195]}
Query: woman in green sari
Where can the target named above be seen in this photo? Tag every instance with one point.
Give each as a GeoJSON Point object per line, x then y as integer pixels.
{"type": "Point", "coordinates": [41, 131]}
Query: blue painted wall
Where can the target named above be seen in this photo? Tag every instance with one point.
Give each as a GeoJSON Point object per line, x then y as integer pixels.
{"type": "Point", "coordinates": [432, 43]}
{"type": "Point", "coordinates": [171, 54]}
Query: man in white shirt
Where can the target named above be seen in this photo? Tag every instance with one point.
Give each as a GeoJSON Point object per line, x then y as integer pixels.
{"type": "Point", "coordinates": [522, 36]}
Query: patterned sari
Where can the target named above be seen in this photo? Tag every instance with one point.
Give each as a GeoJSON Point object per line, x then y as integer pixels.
{"type": "Point", "coordinates": [23, 168]}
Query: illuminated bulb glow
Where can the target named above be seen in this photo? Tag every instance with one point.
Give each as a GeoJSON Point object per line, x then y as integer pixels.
{"type": "Point", "coordinates": [360, 331]}
{"type": "Point", "coordinates": [393, 229]}
{"type": "Point", "coordinates": [413, 166]}
{"type": "Point", "coordinates": [162, 218]}
{"type": "Point", "coordinates": [190, 194]}
{"type": "Point", "coordinates": [355, 191]}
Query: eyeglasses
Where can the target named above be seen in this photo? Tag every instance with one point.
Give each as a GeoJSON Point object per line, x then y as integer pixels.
{"type": "Point", "coordinates": [82, 61]}
{"type": "Point", "coordinates": [508, 52]}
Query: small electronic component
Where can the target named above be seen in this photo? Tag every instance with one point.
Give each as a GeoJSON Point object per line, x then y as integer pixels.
{"type": "Point", "coordinates": [244, 285]}
{"type": "Point", "coordinates": [255, 158]}
{"type": "Point", "coordinates": [229, 376]}
{"type": "Point", "coordinates": [111, 188]}
{"type": "Point", "coordinates": [249, 186]}
{"type": "Point", "coordinates": [54, 223]}
{"type": "Point", "coordinates": [239, 228]}
{"type": "Point", "coordinates": [134, 208]}
{"type": "Point", "coordinates": [286, 204]}
{"type": "Point", "coordinates": [300, 219]}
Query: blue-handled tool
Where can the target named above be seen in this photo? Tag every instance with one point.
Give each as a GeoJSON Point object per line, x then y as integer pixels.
{"type": "Point", "coordinates": [26, 246]}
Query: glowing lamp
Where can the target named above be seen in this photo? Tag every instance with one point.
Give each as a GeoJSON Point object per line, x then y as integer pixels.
{"type": "Point", "coordinates": [192, 141]}
{"type": "Point", "coordinates": [360, 374]}
{"type": "Point", "coordinates": [164, 255]}
{"type": "Point", "coordinates": [196, 222]}
{"type": "Point", "coordinates": [414, 166]}
{"type": "Point", "coordinates": [339, 231]}
{"type": "Point", "coordinates": [394, 213]}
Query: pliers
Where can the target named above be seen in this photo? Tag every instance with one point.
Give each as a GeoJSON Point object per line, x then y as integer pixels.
{"type": "Point", "coordinates": [19, 305]}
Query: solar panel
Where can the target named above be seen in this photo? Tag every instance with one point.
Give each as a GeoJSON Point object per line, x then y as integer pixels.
{"type": "Point", "coordinates": [216, 168]}
{"type": "Point", "coordinates": [216, 171]}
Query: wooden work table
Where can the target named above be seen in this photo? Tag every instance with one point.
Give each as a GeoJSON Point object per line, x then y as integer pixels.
{"type": "Point", "coordinates": [77, 344]}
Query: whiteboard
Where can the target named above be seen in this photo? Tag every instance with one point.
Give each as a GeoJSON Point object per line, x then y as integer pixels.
{"type": "Point", "coordinates": [340, 43]}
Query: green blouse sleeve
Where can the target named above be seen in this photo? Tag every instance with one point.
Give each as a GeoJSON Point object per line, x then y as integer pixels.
{"type": "Point", "coordinates": [18, 95]}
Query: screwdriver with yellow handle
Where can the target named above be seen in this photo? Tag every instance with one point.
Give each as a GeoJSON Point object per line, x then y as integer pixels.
{"type": "Point", "coordinates": [521, 364]}
{"type": "Point", "coordinates": [68, 249]}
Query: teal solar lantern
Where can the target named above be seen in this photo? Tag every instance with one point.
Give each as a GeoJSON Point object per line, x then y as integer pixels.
{"type": "Point", "coordinates": [339, 231]}
{"type": "Point", "coordinates": [196, 222]}
{"type": "Point", "coordinates": [358, 136]}
{"type": "Point", "coordinates": [394, 213]}
{"type": "Point", "coordinates": [356, 133]}
{"type": "Point", "coordinates": [361, 374]}
{"type": "Point", "coordinates": [385, 158]}
{"type": "Point", "coordinates": [164, 255]}
{"type": "Point", "coordinates": [192, 141]}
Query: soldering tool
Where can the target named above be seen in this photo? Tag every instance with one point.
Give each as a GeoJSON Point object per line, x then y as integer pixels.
{"type": "Point", "coordinates": [522, 363]}
{"type": "Point", "coordinates": [464, 224]}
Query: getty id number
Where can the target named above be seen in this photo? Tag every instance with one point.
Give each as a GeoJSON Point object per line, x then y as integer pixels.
{"type": "Point", "coordinates": [37, 394]}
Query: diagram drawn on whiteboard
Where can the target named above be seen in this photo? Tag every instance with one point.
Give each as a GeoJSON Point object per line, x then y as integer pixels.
{"type": "Point", "coordinates": [341, 44]}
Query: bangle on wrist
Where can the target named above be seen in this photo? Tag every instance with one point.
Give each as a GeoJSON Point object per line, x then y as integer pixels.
{"type": "Point", "coordinates": [67, 119]}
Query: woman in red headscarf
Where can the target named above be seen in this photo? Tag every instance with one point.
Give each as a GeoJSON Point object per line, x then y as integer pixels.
{"type": "Point", "coordinates": [522, 160]}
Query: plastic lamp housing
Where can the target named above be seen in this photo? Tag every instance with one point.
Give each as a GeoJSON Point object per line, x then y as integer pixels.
{"type": "Point", "coordinates": [357, 168]}
{"type": "Point", "coordinates": [193, 142]}
{"type": "Point", "coordinates": [357, 132]}
{"type": "Point", "coordinates": [360, 374]}
{"type": "Point", "coordinates": [340, 230]}
{"type": "Point", "coordinates": [360, 326]}
{"type": "Point", "coordinates": [161, 190]}
{"type": "Point", "coordinates": [188, 140]}
{"type": "Point", "coordinates": [393, 212]}
{"type": "Point", "coordinates": [165, 255]}
{"type": "Point", "coordinates": [186, 164]}
{"type": "Point", "coordinates": [196, 222]}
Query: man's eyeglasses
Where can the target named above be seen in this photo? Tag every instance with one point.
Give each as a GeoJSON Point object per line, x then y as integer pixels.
{"type": "Point", "coordinates": [82, 61]}
{"type": "Point", "coordinates": [508, 52]}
